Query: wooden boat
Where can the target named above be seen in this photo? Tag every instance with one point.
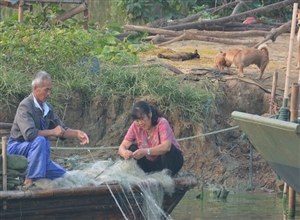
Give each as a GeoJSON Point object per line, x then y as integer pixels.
{"type": "Point", "coordinates": [277, 141]}
{"type": "Point", "coordinates": [94, 202]}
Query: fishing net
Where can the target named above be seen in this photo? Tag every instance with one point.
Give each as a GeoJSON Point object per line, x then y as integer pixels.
{"type": "Point", "coordinates": [127, 174]}
{"type": "Point", "coordinates": [16, 167]}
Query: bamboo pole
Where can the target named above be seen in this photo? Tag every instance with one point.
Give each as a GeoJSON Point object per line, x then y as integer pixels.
{"type": "Point", "coordinates": [294, 102]}
{"type": "Point", "coordinates": [4, 164]}
{"type": "Point", "coordinates": [285, 190]}
{"type": "Point", "coordinates": [63, 118]}
{"type": "Point", "coordinates": [86, 16]}
{"type": "Point", "coordinates": [288, 69]}
{"type": "Point", "coordinates": [21, 10]}
{"type": "Point", "coordinates": [273, 92]}
{"type": "Point", "coordinates": [293, 116]}
{"type": "Point", "coordinates": [4, 169]}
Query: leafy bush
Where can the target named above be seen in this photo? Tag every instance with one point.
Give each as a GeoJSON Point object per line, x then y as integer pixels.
{"type": "Point", "coordinates": [142, 11]}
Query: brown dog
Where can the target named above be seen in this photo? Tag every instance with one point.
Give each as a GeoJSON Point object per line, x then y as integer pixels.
{"type": "Point", "coordinates": [229, 56]}
{"type": "Point", "coordinates": [248, 56]}
{"type": "Point", "coordinates": [245, 57]}
{"type": "Point", "coordinates": [223, 60]}
{"type": "Point", "coordinates": [219, 60]}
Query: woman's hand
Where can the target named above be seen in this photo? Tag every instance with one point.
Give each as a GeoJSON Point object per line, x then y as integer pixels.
{"type": "Point", "coordinates": [127, 154]}
{"type": "Point", "coordinates": [139, 153]}
{"type": "Point", "coordinates": [123, 150]}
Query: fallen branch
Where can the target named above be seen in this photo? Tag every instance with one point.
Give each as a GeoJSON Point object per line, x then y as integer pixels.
{"type": "Point", "coordinates": [170, 67]}
{"type": "Point", "coordinates": [238, 6]}
{"type": "Point", "coordinates": [181, 37]}
{"type": "Point", "coordinates": [275, 32]}
{"type": "Point", "coordinates": [215, 71]}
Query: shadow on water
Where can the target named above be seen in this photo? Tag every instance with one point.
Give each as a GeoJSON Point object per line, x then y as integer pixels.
{"type": "Point", "coordinates": [237, 206]}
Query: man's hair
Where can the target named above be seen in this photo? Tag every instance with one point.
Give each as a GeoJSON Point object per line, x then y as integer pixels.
{"type": "Point", "coordinates": [39, 78]}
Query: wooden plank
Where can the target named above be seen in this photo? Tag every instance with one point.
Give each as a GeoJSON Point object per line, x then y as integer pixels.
{"type": "Point", "coordinates": [55, 1]}
{"type": "Point", "coordinates": [4, 125]}
{"type": "Point", "coordinates": [48, 1]}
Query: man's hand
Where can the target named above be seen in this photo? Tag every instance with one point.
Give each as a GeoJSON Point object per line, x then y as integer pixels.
{"type": "Point", "coordinates": [58, 131]}
{"type": "Point", "coordinates": [84, 139]}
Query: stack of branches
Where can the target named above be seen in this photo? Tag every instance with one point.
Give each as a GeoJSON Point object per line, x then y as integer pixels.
{"type": "Point", "coordinates": [223, 30]}
{"type": "Point", "coordinates": [16, 168]}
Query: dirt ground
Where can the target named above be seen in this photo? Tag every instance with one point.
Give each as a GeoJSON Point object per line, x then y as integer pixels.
{"type": "Point", "coordinates": [278, 55]}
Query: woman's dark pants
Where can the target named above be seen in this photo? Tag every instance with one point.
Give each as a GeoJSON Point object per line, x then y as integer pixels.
{"type": "Point", "coordinates": [172, 160]}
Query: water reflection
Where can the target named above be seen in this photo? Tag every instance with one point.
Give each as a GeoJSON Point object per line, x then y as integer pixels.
{"type": "Point", "coordinates": [242, 205]}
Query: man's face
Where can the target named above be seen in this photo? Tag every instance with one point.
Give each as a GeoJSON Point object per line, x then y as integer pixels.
{"type": "Point", "coordinates": [43, 91]}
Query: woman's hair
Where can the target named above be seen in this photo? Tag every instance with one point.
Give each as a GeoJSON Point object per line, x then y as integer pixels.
{"type": "Point", "coordinates": [39, 79]}
{"type": "Point", "coordinates": [143, 108]}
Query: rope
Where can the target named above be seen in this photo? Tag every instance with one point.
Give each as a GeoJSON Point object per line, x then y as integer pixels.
{"type": "Point", "coordinates": [210, 133]}
{"type": "Point", "coordinates": [85, 148]}
{"type": "Point", "coordinates": [284, 111]}
{"type": "Point", "coordinates": [116, 147]}
{"type": "Point", "coordinates": [250, 166]}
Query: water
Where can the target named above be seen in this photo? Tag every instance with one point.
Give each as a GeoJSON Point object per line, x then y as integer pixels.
{"type": "Point", "coordinates": [238, 206]}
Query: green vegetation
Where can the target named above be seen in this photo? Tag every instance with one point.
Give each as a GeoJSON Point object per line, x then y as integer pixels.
{"type": "Point", "coordinates": [142, 10]}
{"type": "Point", "coordinates": [86, 64]}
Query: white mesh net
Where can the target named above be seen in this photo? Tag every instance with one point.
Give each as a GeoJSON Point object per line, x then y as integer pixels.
{"type": "Point", "coordinates": [126, 173]}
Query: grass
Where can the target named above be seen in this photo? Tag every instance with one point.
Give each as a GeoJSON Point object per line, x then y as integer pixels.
{"type": "Point", "coordinates": [170, 93]}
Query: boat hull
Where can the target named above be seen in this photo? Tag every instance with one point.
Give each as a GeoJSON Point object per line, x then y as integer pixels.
{"type": "Point", "coordinates": [84, 202]}
{"type": "Point", "coordinates": [277, 141]}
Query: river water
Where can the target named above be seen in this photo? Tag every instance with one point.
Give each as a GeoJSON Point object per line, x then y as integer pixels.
{"type": "Point", "coordinates": [237, 206]}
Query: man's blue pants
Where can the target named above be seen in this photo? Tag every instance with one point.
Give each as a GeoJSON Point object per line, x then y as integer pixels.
{"type": "Point", "coordinates": [37, 153]}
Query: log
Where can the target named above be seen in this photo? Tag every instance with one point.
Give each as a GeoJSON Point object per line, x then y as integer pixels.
{"type": "Point", "coordinates": [231, 34]}
{"type": "Point", "coordinates": [249, 33]}
{"type": "Point", "coordinates": [68, 14]}
{"type": "Point", "coordinates": [202, 24]}
{"type": "Point", "coordinates": [26, 7]}
{"type": "Point", "coordinates": [4, 125]}
{"type": "Point", "coordinates": [190, 35]}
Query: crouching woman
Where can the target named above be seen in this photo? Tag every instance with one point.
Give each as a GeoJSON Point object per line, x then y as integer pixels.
{"type": "Point", "coordinates": [151, 141]}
